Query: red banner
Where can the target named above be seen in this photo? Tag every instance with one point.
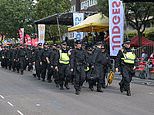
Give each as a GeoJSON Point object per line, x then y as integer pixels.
{"type": "Point", "coordinates": [34, 42]}
{"type": "Point", "coordinates": [28, 40]}
{"type": "Point", "coordinates": [21, 35]}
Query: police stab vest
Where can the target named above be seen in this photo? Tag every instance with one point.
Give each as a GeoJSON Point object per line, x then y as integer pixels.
{"type": "Point", "coordinates": [64, 58]}
{"type": "Point", "coordinates": [129, 57]}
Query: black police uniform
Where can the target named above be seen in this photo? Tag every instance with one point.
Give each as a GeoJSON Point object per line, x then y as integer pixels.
{"type": "Point", "coordinates": [64, 71]}
{"type": "Point", "coordinates": [99, 60]}
{"type": "Point", "coordinates": [106, 62]}
{"type": "Point", "coordinates": [89, 73]}
{"type": "Point", "coordinates": [126, 71]}
{"type": "Point", "coordinates": [56, 63]}
{"type": "Point", "coordinates": [3, 58]}
{"type": "Point", "coordinates": [21, 56]}
{"type": "Point", "coordinates": [38, 61]}
{"type": "Point", "coordinates": [44, 63]}
{"type": "Point", "coordinates": [78, 64]}
{"type": "Point", "coordinates": [14, 52]}
{"type": "Point", "coordinates": [9, 57]}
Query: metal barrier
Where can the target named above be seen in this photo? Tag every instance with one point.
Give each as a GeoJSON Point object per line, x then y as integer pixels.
{"type": "Point", "coordinates": [113, 64]}
{"type": "Point", "coordinates": [148, 49]}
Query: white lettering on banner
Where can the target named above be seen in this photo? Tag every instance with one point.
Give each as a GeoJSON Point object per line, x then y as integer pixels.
{"type": "Point", "coordinates": [116, 26]}
{"type": "Point", "coordinates": [77, 19]}
{"type": "Point", "coordinates": [41, 33]}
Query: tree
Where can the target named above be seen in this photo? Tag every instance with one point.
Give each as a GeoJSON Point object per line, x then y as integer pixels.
{"type": "Point", "coordinates": [46, 8]}
{"type": "Point", "coordinates": [15, 14]}
{"type": "Point", "coordinates": [138, 14]}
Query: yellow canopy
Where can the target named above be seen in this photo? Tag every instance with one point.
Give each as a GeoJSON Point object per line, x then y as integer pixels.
{"type": "Point", "coordinates": [95, 23]}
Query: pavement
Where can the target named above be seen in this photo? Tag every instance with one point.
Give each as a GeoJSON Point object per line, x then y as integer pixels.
{"type": "Point", "coordinates": [25, 95]}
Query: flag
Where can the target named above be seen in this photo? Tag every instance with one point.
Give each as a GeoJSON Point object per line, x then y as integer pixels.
{"type": "Point", "coordinates": [116, 26]}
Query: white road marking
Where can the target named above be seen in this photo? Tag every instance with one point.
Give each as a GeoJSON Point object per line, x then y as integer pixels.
{"type": "Point", "coordinates": [37, 105]}
{"type": "Point", "coordinates": [151, 93]}
{"type": "Point", "coordinates": [10, 104]}
{"type": "Point", "coordinates": [2, 96]}
{"type": "Point", "coordinates": [20, 112]}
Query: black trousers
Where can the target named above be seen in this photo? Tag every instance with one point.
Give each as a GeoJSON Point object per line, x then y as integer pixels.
{"type": "Point", "coordinates": [79, 77]}
{"type": "Point", "coordinates": [127, 74]}
{"type": "Point", "coordinates": [50, 72]}
{"type": "Point", "coordinates": [3, 62]}
{"type": "Point", "coordinates": [13, 65]}
{"type": "Point", "coordinates": [38, 68]}
{"type": "Point", "coordinates": [22, 63]}
{"type": "Point", "coordinates": [64, 76]}
{"type": "Point", "coordinates": [44, 69]}
{"type": "Point", "coordinates": [100, 76]}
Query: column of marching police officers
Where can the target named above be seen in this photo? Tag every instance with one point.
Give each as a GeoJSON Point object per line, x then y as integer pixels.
{"type": "Point", "coordinates": [64, 65]}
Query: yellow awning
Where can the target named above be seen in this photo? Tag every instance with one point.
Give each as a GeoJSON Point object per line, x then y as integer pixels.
{"type": "Point", "coordinates": [95, 23]}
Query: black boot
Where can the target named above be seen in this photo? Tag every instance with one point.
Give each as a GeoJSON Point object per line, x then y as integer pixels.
{"type": "Point", "coordinates": [77, 92]}
{"type": "Point", "coordinates": [128, 93]}
{"type": "Point", "coordinates": [67, 86]}
{"type": "Point", "coordinates": [61, 87]}
{"type": "Point", "coordinates": [91, 88]}
{"type": "Point", "coordinates": [49, 81]}
{"type": "Point", "coordinates": [34, 75]}
{"type": "Point", "coordinates": [121, 88]}
{"type": "Point", "coordinates": [22, 72]}
{"type": "Point", "coordinates": [103, 86]}
{"type": "Point", "coordinates": [99, 88]}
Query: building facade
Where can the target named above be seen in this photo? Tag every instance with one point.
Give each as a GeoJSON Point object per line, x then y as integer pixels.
{"type": "Point", "coordinates": [83, 5]}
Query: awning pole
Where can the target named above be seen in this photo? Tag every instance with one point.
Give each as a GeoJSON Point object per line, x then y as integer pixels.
{"type": "Point", "coordinates": [58, 27]}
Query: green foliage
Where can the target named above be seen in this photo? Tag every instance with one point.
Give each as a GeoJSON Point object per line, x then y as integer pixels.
{"type": "Point", "coordinates": [131, 35]}
{"type": "Point", "coordinates": [103, 6]}
{"type": "Point", "coordinates": [15, 14]}
{"type": "Point", "coordinates": [45, 8]}
{"type": "Point", "coordinates": [137, 14]}
{"type": "Point", "coordinates": [149, 34]}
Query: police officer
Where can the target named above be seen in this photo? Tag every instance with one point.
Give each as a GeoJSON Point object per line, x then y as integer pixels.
{"type": "Point", "coordinates": [78, 64]}
{"type": "Point", "coordinates": [3, 58]}
{"type": "Point", "coordinates": [64, 66]}
{"type": "Point", "coordinates": [9, 55]}
{"type": "Point", "coordinates": [14, 52]}
{"type": "Point", "coordinates": [98, 61]}
{"type": "Point", "coordinates": [44, 61]}
{"type": "Point", "coordinates": [54, 60]}
{"type": "Point", "coordinates": [17, 62]}
{"type": "Point", "coordinates": [89, 70]}
{"type": "Point", "coordinates": [50, 62]}
{"type": "Point", "coordinates": [125, 63]}
{"type": "Point", "coordinates": [21, 57]}
{"type": "Point", "coordinates": [106, 62]}
{"type": "Point", "coordinates": [38, 60]}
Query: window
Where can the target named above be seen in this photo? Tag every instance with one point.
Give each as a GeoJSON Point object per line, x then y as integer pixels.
{"type": "Point", "coordinates": [73, 8]}
{"type": "Point", "coordinates": [84, 5]}
{"type": "Point", "coordinates": [92, 2]}
{"type": "Point", "coordinates": [88, 3]}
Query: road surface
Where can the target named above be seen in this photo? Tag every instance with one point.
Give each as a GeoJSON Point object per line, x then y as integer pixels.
{"type": "Point", "coordinates": [25, 95]}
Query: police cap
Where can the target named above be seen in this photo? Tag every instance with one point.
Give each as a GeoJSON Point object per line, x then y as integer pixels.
{"type": "Point", "coordinates": [78, 42]}
{"type": "Point", "coordinates": [39, 44]}
{"type": "Point", "coordinates": [99, 43]}
{"type": "Point", "coordinates": [126, 41]}
{"type": "Point", "coordinates": [45, 43]}
{"type": "Point", "coordinates": [64, 43]}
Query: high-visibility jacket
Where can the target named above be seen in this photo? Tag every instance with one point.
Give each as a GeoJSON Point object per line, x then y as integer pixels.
{"type": "Point", "coordinates": [129, 57]}
{"type": "Point", "coordinates": [64, 58]}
